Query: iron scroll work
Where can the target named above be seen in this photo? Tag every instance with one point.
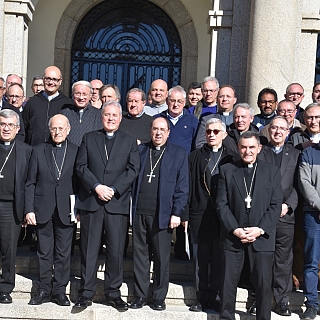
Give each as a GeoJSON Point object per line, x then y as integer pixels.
{"type": "Point", "coordinates": [126, 43]}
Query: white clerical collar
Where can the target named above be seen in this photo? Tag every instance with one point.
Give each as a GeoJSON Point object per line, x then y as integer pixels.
{"type": "Point", "coordinates": [138, 116]}
{"type": "Point", "coordinates": [110, 134]}
{"type": "Point", "coordinates": [215, 149]}
{"type": "Point", "coordinates": [226, 113]}
{"type": "Point", "coordinates": [315, 138]}
{"type": "Point", "coordinates": [50, 97]}
{"type": "Point", "coordinates": [250, 165]}
{"type": "Point", "coordinates": [7, 143]}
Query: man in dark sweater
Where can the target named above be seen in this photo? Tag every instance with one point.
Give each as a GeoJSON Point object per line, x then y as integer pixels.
{"type": "Point", "coordinates": [136, 122]}
{"type": "Point", "coordinates": [83, 117]}
{"type": "Point", "coordinates": [41, 107]}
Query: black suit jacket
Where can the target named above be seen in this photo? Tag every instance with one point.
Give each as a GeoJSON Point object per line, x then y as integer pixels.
{"type": "Point", "coordinates": [173, 182]}
{"type": "Point", "coordinates": [21, 133]}
{"type": "Point", "coordinates": [265, 206]}
{"type": "Point", "coordinates": [44, 192]}
{"type": "Point", "coordinates": [288, 170]}
{"type": "Point", "coordinates": [23, 154]}
{"type": "Point", "coordinates": [120, 171]}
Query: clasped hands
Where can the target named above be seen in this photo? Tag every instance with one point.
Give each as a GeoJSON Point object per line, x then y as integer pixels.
{"type": "Point", "coordinates": [247, 235]}
{"type": "Point", "coordinates": [104, 193]}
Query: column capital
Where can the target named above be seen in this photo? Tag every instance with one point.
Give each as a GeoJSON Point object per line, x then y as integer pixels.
{"type": "Point", "coordinates": [23, 8]}
{"type": "Point", "coordinates": [311, 23]}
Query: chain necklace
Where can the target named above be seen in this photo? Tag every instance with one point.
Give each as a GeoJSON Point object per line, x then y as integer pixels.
{"type": "Point", "coordinates": [5, 161]}
{"type": "Point", "coordinates": [151, 175]}
{"type": "Point", "coordinates": [248, 199]}
{"type": "Point", "coordinates": [55, 162]}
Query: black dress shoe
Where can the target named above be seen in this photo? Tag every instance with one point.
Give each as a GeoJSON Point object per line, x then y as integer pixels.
{"type": "Point", "coordinates": [283, 309]}
{"type": "Point", "coordinates": [159, 305]}
{"type": "Point", "coordinates": [5, 298]}
{"type": "Point", "coordinates": [253, 308]}
{"type": "Point", "coordinates": [40, 298]}
{"type": "Point", "coordinates": [138, 303]}
{"type": "Point", "coordinates": [83, 302]}
{"type": "Point", "coordinates": [118, 304]}
{"type": "Point", "coordinates": [197, 307]}
{"type": "Point", "coordinates": [61, 299]}
{"type": "Point", "coordinates": [310, 313]}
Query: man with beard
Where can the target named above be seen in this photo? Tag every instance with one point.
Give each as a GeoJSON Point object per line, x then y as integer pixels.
{"type": "Point", "coordinates": [267, 103]}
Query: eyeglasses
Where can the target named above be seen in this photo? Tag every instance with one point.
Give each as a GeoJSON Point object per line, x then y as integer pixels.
{"type": "Point", "coordinates": [95, 89]}
{"type": "Point", "coordinates": [15, 97]}
{"type": "Point", "coordinates": [176, 101]}
{"type": "Point", "coordinates": [313, 118]}
{"type": "Point", "coordinates": [134, 101]}
{"type": "Point", "coordinates": [292, 94]}
{"type": "Point", "coordinates": [62, 130]}
{"type": "Point", "coordinates": [48, 79]}
{"type": "Point", "coordinates": [276, 128]}
{"type": "Point", "coordinates": [267, 101]}
{"type": "Point", "coordinates": [209, 90]}
{"type": "Point", "coordinates": [215, 131]}
{"type": "Point", "coordinates": [37, 85]}
{"type": "Point", "coordinates": [286, 111]}
{"type": "Point", "coordinates": [10, 126]}
{"type": "Point", "coordinates": [81, 95]}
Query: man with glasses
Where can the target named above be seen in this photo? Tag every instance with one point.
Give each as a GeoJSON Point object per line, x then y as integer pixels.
{"type": "Point", "coordinates": [41, 107]}
{"type": "Point", "coordinates": [159, 199]}
{"type": "Point", "coordinates": [15, 95]}
{"type": "Point", "coordinates": [7, 105]}
{"type": "Point", "coordinates": [267, 103]}
{"type": "Point", "coordinates": [52, 181]}
{"type": "Point", "coordinates": [96, 84]}
{"type": "Point", "coordinates": [83, 117]}
{"type": "Point", "coordinates": [295, 93]}
{"type": "Point", "coordinates": [316, 93]}
{"type": "Point", "coordinates": [210, 88]}
{"type": "Point", "coordinates": [204, 166]}
{"type": "Point", "coordinates": [37, 84]}
{"type": "Point", "coordinates": [14, 165]}
{"type": "Point", "coordinates": [183, 128]}
{"type": "Point", "coordinates": [286, 158]}
{"type": "Point", "coordinates": [286, 109]}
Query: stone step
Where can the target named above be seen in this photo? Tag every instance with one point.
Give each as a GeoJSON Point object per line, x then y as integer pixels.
{"type": "Point", "coordinates": [179, 293]}
{"type": "Point", "coordinates": [19, 309]}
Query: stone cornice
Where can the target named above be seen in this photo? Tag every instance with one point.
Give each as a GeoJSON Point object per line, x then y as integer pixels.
{"type": "Point", "coordinates": [310, 23]}
{"type": "Point", "coordinates": [20, 8]}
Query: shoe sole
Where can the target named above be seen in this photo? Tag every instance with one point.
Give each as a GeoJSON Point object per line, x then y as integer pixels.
{"type": "Point", "coordinates": [119, 309]}
{"type": "Point", "coordinates": [60, 304]}
{"type": "Point", "coordinates": [38, 304]}
{"type": "Point", "coordinates": [89, 303]}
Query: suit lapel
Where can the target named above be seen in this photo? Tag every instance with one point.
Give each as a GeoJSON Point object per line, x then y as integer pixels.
{"type": "Point", "coordinates": [268, 154]}
{"type": "Point", "coordinates": [49, 159]}
{"type": "Point", "coordinates": [20, 158]}
{"type": "Point", "coordinates": [284, 159]}
{"type": "Point", "coordinates": [238, 177]}
{"type": "Point", "coordinates": [100, 140]}
{"type": "Point", "coordinates": [68, 160]}
{"type": "Point", "coordinates": [258, 183]}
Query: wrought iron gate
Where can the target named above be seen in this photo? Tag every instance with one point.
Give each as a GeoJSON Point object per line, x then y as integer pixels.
{"type": "Point", "coordinates": [126, 43]}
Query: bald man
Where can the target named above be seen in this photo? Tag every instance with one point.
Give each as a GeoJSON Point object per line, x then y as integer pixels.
{"type": "Point", "coordinates": [40, 108]}
{"type": "Point", "coordinates": [96, 84]}
{"type": "Point", "coordinates": [158, 94]}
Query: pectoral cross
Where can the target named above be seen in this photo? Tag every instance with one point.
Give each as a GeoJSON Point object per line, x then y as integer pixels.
{"type": "Point", "coordinates": [248, 201]}
{"type": "Point", "coordinates": [151, 175]}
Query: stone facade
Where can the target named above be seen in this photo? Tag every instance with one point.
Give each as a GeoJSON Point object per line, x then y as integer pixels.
{"type": "Point", "coordinates": [249, 44]}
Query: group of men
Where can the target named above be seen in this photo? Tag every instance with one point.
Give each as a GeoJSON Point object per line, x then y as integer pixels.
{"type": "Point", "coordinates": [188, 159]}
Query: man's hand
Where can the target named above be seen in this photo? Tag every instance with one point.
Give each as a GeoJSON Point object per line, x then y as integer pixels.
{"type": "Point", "coordinates": [174, 222]}
{"type": "Point", "coordinates": [30, 219]}
{"type": "Point", "coordinates": [284, 210]}
{"type": "Point", "coordinates": [185, 225]}
{"type": "Point", "coordinates": [241, 234]}
{"type": "Point", "coordinates": [104, 193]}
{"type": "Point", "coordinates": [252, 233]}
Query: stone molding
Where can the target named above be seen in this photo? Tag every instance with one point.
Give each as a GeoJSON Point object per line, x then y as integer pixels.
{"type": "Point", "coordinates": [19, 7]}
{"type": "Point", "coordinates": [310, 23]}
{"type": "Point", "coordinates": [174, 8]}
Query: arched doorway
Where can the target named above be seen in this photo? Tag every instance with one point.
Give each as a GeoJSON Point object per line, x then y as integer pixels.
{"type": "Point", "coordinates": [128, 44]}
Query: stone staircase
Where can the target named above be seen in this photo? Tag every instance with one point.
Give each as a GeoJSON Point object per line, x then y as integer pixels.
{"type": "Point", "coordinates": [180, 295]}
